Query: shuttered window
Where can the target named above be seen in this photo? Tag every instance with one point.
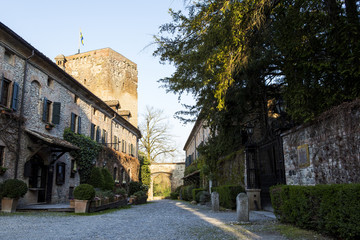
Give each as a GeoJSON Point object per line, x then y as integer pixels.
{"type": "Point", "coordinates": [14, 100]}
{"type": "Point", "coordinates": [56, 113]}
{"type": "Point", "coordinates": [73, 122]}
{"type": "Point", "coordinates": [92, 132]}
{"type": "Point", "coordinates": [4, 91]}
{"type": "Point", "coordinates": [98, 134]}
{"type": "Point", "coordinates": [46, 110]}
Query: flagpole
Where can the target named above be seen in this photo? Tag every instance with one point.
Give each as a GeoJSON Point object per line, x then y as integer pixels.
{"type": "Point", "coordinates": [79, 42]}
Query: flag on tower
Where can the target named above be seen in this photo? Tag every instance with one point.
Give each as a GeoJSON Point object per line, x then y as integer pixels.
{"type": "Point", "coordinates": [81, 38]}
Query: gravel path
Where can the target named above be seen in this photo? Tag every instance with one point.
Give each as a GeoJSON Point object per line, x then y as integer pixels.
{"type": "Point", "coordinates": [165, 219]}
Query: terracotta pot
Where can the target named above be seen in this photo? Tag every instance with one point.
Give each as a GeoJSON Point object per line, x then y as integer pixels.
{"type": "Point", "coordinates": [72, 203]}
{"type": "Point", "coordinates": [81, 206]}
{"type": "Point", "coordinates": [8, 204]}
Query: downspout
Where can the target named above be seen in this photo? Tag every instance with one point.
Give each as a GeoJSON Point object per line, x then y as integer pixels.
{"type": "Point", "coordinates": [111, 135]}
{"type": "Point", "coordinates": [18, 152]}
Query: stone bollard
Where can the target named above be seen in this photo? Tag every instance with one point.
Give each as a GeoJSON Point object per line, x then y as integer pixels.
{"type": "Point", "coordinates": [215, 201]}
{"type": "Point", "coordinates": [242, 207]}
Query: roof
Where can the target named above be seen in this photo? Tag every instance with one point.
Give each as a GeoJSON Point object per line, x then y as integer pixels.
{"type": "Point", "coordinates": [51, 140]}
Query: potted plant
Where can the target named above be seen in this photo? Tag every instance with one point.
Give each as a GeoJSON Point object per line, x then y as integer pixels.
{"type": "Point", "coordinates": [49, 126]}
{"type": "Point", "coordinates": [10, 191]}
{"type": "Point", "coordinates": [72, 203]}
{"type": "Point", "coordinates": [83, 194]}
{"type": "Point", "coordinates": [6, 110]}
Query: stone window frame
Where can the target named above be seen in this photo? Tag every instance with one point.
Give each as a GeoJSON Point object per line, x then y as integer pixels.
{"type": "Point", "coordinates": [75, 123]}
{"type": "Point", "coordinates": [9, 57]}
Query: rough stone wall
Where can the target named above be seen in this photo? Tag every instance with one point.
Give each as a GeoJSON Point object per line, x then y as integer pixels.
{"type": "Point", "coordinates": [109, 75]}
{"type": "Point", "coordinates": [327, 150]}
{"type": "Point", "coordinates": [232, 169]}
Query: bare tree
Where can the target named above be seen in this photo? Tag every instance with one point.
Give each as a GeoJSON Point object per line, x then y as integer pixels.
{"type": "Point", "coordinates": [156, 139]}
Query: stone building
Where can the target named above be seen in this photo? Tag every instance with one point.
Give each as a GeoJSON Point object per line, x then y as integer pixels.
{"type": "Point", "coordinates": [107, 74]}
{"type": "Point", "coordinates": [38, 101]}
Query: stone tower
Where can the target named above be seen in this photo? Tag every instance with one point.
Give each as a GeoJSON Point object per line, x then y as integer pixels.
{"type": "Point", "coordinates": [109, 75]}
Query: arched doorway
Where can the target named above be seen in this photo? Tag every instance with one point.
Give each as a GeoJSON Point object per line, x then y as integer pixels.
{"type": "Point", "coordinates": [37, 174]}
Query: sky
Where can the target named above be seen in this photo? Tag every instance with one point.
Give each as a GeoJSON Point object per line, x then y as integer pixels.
{"type": "Point", "coordinates": [128, 27]}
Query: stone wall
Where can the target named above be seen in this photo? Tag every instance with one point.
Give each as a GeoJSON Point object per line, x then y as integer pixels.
{"type": "Point", "coordinates": [327, 150]}
{"type": "Point", "coordinates": [231, 169]}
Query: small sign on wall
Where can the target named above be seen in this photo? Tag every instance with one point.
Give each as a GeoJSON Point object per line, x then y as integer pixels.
{"type": "Point", "coordinates": [303, 156]}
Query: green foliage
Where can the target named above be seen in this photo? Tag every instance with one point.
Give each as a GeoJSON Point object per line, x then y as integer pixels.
{"type": "Point", "coordinates": [329, 209]}
{"type": "Point", "coordinates": [120, 191]}
{"type": "Point", "coordinates": [190, 169]}
{"type": "Point", "coordinates": [174, 195]}
{"type": "Point", "coordinates": [145, 175]}
{"type": "Point", "coordinates": [13, 188]}
{"type": "Point", "coordinates": [228, 194]}
{"type": "Point", "coordinates": [96, 178]}
{"type": "Point", "coordinates": [108, 180]}
{"type": "Point", "coordinates": [89, 150]}
{"type": "Point", "coordinates": [137, 186]}
{"type": "Point", "coordinates": [140, 194]}
{"type": "Point", "coordinates": [194, 193]}
{"type": "Point", "coordinates": [186, 192]}
{"type": "Point", "coordinates": [84, 192]}
{"type": "Point", "coordinates": [105, 194]}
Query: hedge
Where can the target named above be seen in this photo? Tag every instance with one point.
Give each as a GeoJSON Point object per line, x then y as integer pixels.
{"type": "Point", "coordinates": [227, 195]}
{"type": "Point", "coordinates": [329, 209]}
{"type": "Point", "coordinates": [194, 193]}
{"type": "Point", "coordinates": [186, 192]}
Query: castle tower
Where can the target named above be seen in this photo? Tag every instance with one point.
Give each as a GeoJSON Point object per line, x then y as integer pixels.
{"type": "Point", "coordinates": [109, 75]}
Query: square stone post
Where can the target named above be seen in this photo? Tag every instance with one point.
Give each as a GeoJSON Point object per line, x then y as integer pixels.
{"type": "Point", "coordinates": [242, 207]}
{"type": "Point", "coordinates": [254, 199]}
{"type": "Point", "coordinates": [215, 201]}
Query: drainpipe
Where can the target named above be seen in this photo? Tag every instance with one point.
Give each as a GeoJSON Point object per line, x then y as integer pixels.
{"type": "Point", "coordinates": [111, 135]}
{"type": "Point", "coordinates": [18, 152]}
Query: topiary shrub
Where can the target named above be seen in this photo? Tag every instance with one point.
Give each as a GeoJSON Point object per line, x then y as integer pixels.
{"type": "Point", "coordinates": [1, 189]}
{"type": "Point", "coordinates": [186, 192]}
{"type": "Point", "coordinates": [14, 188]}
{"type": "Point", "coordinates": [109, 182]}
{"type": "Point", "coordinates": [228, 194]}
{"type": "Point", "coordinates": [204, 197]}
{"type": "Point", "coordinates": [96, 178]}
{"type": "Point", "coordinates": [139, 194]}
{"type": "Point", "coordinates": [194, 193]}
{"type": "Point", "coordinates": [84, 192]}
{"type": "Point", "coordinates": [120, 191]}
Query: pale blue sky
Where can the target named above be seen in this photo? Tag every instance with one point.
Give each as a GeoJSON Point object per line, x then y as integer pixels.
{"type": "Point", "coordinates": [125, 26]}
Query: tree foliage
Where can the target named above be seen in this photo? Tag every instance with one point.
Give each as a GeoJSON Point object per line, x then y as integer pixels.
{"type": "Point", "coordinates": [309, 49]}
{"type": "Point", "coordinates": [156, 139]}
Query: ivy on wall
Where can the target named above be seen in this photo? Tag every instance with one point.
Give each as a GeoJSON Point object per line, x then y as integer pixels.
{"type": "Point", "coordinates": [89, 150]}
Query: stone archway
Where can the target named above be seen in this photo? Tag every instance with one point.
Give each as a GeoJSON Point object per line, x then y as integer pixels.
{"type": "Point", "coordinates": [167, 176]}
{"type": "Point", "coordinates": [173, 171]}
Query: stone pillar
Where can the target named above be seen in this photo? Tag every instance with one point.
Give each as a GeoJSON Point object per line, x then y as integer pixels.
{"type": "Point", "coordinates": [242, 207]}
{"type": "Point", "coordinates": [151, 189]}
{"type": "Point", "coordinates": [254, 195]}
{"type": "Point", "coordinates": [215, 201]}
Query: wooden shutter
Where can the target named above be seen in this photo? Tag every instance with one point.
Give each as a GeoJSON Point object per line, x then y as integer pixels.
{"type": "Point", "coordinates": [72, 124]}
{"type": "Point", "coordinates": [44, 116]}
{"type": "Point", "coordinates": [79, 125]}
{"type": "Point", "coordinates": [14, 101]}
{"type": "Point", "coordinates": [2, 84]}
{"type": "Point", "coordinates": [92, 132]}
{"type": "Point", "coordinates": [98, 133]}
{"type": "Point", "coordinates": [56, 113]}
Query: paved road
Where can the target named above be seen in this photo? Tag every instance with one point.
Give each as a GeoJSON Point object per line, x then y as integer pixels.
{"type": "Point", "coordinates": [165, 219]}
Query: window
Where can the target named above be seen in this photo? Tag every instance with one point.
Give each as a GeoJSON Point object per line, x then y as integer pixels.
{"type": "Point", "coordinates": [60, 173]}
{"type": "Point", "coordinates": [2, 150]}
{"type": "Point", "coordinates": [122, 146]}
{"type": "Point", "coordinates": [71, 192]}
{"type": "Point", "coordinates": [92, 131]}
{"type": "Point", "coordinates": [104, 137]}
{"type": "Point", "coordinates": [9, 57]}
{"type": "Point", "coordinates": [76, 99]}
{"type": "Point", "coordinates": [50, 82]}
{"type": "Point", "coordinates": [115, 143]}
{"type": "Point", "coordinates": [5, 94]}
{"type": "Point", "coordinates": [73, 168]}
{"type": "Point", "coordinates": [75, 124]}
{"type": "Point", "coordinates": [98, 134]}
{"type": "Point", "coordinates": [46, 110]}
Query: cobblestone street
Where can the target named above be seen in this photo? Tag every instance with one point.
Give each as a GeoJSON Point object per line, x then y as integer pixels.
{"type": "Point", "coordinates": [163, 219]}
